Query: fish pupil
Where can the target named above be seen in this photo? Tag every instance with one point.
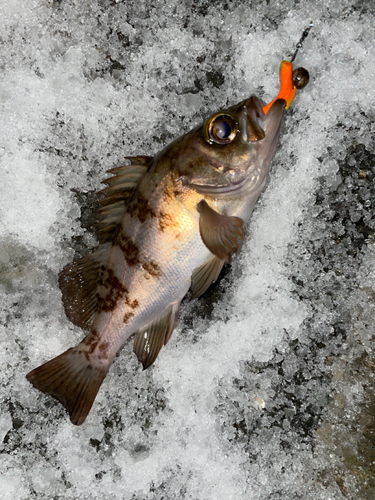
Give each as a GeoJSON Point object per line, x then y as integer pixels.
{"type": "Point", "coordinates": [222, 129]}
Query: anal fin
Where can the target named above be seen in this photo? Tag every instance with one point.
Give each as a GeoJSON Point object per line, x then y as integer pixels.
{"type": "Point", "coordinates": [220, 233]}
{"type": "Point", "coordinates": [72, 379]}
{"type": "Point", "coordinates": [149, 340]}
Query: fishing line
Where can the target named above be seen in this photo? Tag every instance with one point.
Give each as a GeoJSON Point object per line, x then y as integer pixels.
{"type": "Point", "coordinates": [301, 40]}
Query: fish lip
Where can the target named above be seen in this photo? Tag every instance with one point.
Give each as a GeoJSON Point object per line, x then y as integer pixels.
{"type": "Point", "coordinates": [222, 190]}
{"type": "Point", "coordinates": [274, 113]}
{"type": "Point", "coordinates": [253, 104]}
{"type": "Point", "coordinates": [257, 125]}
{"type": "Point", "coordinates": [251, 119]}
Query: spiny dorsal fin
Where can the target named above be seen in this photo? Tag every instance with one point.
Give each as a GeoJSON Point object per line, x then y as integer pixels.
{"type": "Point", "coordinates": [204, 275]}
{"type": "Point", "coordinates": [79, 282]}
{"type": "Point", "coordinates": [220, 233]}
{"type": "Point", "coordinates": [149, 341]}
{"type": "Point", "coordinates": [120, 187]}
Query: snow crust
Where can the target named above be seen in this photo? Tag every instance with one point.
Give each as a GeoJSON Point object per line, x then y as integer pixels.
{"type": "Point", "coordinates": [265, 390]}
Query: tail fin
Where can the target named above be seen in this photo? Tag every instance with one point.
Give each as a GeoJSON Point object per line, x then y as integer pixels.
{"type": "Point", "coordinates": [72, 379]}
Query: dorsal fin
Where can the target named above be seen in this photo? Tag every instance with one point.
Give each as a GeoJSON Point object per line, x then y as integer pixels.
{"type": "Point", "coordinates": [79, 282]}
{"type": "Point", "coordinates": [149, 340]}
{"type": "Point", "coordinates": [204, 275]}
{"type": "Point", "coordinates": [120, 188]}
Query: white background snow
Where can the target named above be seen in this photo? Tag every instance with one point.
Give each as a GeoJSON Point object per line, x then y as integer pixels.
{"type": "Point", "coordinates": [266, 388]}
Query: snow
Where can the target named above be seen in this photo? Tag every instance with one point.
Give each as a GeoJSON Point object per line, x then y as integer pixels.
{"type": "Point", "coordinates": [265, 390]}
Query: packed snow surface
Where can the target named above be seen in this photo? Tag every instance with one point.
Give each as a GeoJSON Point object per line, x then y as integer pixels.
{"type": "Point", "coordinates": [266, 388]}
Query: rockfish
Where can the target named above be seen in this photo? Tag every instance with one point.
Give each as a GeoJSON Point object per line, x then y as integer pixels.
{"type": "Point", "coordinates": [166, 224]}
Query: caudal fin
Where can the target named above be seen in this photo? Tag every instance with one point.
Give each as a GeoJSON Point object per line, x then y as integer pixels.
{"type": "Point", "coordinates": [72, 379]}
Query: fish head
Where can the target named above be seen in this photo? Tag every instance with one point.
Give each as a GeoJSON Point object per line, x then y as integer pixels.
{"type": "Point", "coordinates": [231, 152]}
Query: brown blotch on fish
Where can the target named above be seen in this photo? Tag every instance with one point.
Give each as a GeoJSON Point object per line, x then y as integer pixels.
{"type": "Point", "coordinates": [103, 346]}
{"type": "Point", "coordinates": [85, 354]}
{"type": "Point", "coordinates": [165, 220]}
{"type": "Point", "coordinates": [142, 208]}
{"type": "Point", "coordinates": [116, 291]}
{"type": "Point", "coordinates": [129, 249]}
{"type": "Point", "coordinates": [101, 275]}
{"type": "Point", "coordinates": [133, 304]}
{"type": "Point", "coordinates": [171, 192]}
{"type": "Point", "coordinates": [127, 316]}
{"type": "Point", "coordinates": [168, 193]}
{"type": "Point", "coordinates": [93, 346]}
{"type": "Point", "coordinates": [93, 336]}
{"type": "Point", "coordinates": [152, 268]}
{"type": "Point", "coordinates": [91, 341]}
{"type": "Point", "coordinates": [116, 232]}
{"type": "Point", "coordinates": [103, 350]}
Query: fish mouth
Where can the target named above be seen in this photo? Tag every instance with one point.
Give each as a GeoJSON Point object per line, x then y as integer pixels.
{"type": "Point", "coordinates": [271, 123]}
{"type": "Point", "coordinates": [250, 120]}
{"type": "Point", "coordinates": [221, 190]}
{"type": "Point", "coordinates": [262, 131]}
{"type": "Point", "coordinates": [256, 125]}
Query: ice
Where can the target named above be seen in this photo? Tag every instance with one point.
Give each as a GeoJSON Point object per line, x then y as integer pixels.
{"type": "Point", "coordinates": [265, 390]}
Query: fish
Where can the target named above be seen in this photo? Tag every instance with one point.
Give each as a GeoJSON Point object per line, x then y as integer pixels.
{"type": "Point", "coordinates": [166, 224]}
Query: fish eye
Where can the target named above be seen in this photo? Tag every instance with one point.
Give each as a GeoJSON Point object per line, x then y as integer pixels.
{"type": "Point", "coordinates": [221, 128]}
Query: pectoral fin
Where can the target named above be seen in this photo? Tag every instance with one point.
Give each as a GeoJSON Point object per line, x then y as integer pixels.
{"type": "Point", "coordinates": [220, 233]}
{"type": "Point", "coordinates": [149, 341]}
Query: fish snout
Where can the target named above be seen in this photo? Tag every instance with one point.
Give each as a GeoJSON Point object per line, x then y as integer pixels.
{"type": "Point", "coordinates": [255, 124]}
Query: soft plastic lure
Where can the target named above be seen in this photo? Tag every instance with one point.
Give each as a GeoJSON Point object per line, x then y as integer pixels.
{"type": "Point", "coordinates": [291, 80]}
